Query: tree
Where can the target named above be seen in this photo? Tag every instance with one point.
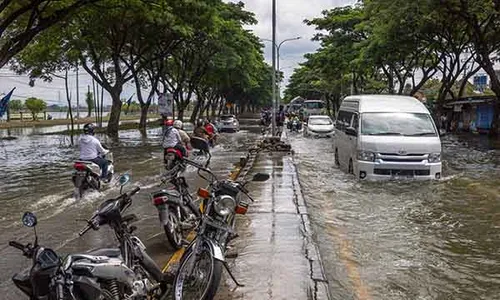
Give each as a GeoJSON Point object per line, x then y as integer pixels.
{"type": "Point", "coordinates": [16, 105]}
{"type": "Point", "coordinates": [47, 57]}
{"type": "Point", "coordinates": [89, 99]}
{"type": "Point", "coordinates": [35, 106]}
{"type": "Point", "coordinates": [21, 21]}
{"type": "Point", "coordinates": [482, 27]}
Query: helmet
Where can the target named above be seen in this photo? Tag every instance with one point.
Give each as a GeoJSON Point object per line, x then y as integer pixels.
{"type": "Point", "coordinates": [178, 124]}
{"type": "Point", "coordinates": [88, 129]}
{"type": "Point", "coordinates": [169, 122]}
{"type": "Point", "coordinates": [199, 123]}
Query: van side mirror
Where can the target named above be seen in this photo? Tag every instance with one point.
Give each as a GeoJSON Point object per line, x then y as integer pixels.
{"type": "Point", "coordinates": [351, 131]}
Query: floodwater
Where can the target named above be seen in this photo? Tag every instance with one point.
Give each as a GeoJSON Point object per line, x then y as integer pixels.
{"type": "Point", "coordinates": [407, 240]}
{"type": "Point", "coordinates": [36, 176]}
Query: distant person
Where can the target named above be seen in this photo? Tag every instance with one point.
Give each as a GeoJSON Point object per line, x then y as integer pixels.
{"type": "Point", "coordinates": [280, 120]}
{"type": "Point", "coordinates": [92, 150]}
{"type": "Point", "coordinates": [172, 139]}
{"type": "Point", "coordinates": [200, 131]}
{"type": "Point", "coordinates": [184, 136]}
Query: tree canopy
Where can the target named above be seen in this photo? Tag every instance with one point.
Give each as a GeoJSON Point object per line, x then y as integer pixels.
{"type": "Point", "coordinates": [195, 50]}
{"type": "Point", "coordinates": [398, 46]}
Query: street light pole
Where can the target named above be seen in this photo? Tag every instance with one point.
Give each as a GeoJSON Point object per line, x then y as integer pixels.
{"type": "Point", "coordinates": [274, 70]}
{"type": "Point", "coordinates": [277, 69]}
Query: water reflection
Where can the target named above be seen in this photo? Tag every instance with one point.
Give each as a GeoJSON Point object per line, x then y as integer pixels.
{"type": "Point", "coordinates": [408, 240]}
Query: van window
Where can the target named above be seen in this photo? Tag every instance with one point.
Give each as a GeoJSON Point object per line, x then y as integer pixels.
{"type": "Point", "coordinates": [407, 124]}
{"type": "Point", "coordinates": [343, 119]}
{"type": "Point", "coordinates": [314, 105]}
{"type": "Point", "coordinates": [355, 121]}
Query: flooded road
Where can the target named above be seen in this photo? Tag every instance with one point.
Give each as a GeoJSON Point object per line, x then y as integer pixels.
{"type": "Point", "coordinates": [36, 176]}
{"type": "Point", "coordinates": [407, 240]}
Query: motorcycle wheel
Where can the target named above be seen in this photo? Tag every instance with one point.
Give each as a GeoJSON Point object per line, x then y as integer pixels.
{"type": "Point", "coordinates": [205, 280]}
{"type": "Point", "coordinates": [173, 231]}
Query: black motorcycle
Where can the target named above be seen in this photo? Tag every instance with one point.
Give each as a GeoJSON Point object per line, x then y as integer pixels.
{"type": "Point", "coordinates": [176, 208]}
{"type": "Point", "coordinates": [94, 275]}
{"type": "Point", "coordinates": [201, 265]}
{"type": "Point", "coordinates": [131, 249]}
{"type": "Point", "coordinates": [87, 175]}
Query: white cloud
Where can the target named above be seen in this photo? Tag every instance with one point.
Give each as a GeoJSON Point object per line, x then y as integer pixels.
{"type": "Point", "coordinates": [289, 24]}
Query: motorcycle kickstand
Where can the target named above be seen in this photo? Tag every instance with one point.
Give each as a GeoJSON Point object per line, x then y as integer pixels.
{"type": "Point", "coordinates": [231, 274]}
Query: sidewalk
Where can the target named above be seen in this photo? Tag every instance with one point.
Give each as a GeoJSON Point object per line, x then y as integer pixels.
{"type": "Point", "coordinates": [277, 258]}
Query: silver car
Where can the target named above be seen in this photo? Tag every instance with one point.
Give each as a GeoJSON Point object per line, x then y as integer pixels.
{"type": "Point", "coordinates": [228, 123]}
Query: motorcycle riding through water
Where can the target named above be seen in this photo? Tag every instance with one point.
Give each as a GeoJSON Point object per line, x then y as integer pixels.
{"type": "Point", "coordinates": [87, 175]}
{"type": "Point", "coordinates": [176, 209]}
{"type": "Point", "coordinates": [99, 274]}
{"type": "Point", "coordinates": [200, 270]}
{"type": "Point", "coordinates": [152, 282]}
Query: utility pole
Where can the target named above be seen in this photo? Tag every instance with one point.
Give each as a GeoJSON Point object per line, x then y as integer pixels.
{"type": "Point", "coordinates": [274, 70]}
{"type": "Point", "coordinates": [77, 95]}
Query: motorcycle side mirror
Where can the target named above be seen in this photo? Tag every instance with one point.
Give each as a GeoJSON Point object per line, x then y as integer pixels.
{"type": "Point", "coordinates": [29, 220]}
{"type": "Point", "coordinates": [200, 144]}
{"type": "Point", "coordinates": [260, 177]}
{"type": "Point", "coordinates": [123, 180]}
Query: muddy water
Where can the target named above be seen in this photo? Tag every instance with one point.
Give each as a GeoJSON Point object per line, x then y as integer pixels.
{"type": "Point", "coordinates": [36, 176]}
{"type": "Point", "coordinates": [408, 240]}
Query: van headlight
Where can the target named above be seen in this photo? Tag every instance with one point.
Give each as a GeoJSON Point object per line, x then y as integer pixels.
{"type": "Point", "coordinates": [366, 156]}
{"type": "Point", "coordinates": [225, 205]}
{"type": "Point", "coordinates": [434, 157]}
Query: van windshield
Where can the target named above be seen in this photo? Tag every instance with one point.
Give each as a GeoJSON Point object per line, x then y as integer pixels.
{"type": "Point", "coordinates": [314, 105]}
{"type": "Point", "coordinates": [407, 124]}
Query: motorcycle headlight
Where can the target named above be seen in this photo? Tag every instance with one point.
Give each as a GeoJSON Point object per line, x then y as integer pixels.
{"type": "Point", "coordinates": [225, 205]}
{"type": "Point", "coordinates": [434, 157]}
{"type": "Point", "coordinates": [366, 156]}
{"type": "Point", "coordinates": [170, 156]}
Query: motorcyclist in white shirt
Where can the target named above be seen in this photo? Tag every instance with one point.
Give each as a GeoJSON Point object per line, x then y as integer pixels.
{"type": "Point", "coordinates": [172, 138]}
{"type": "Point", "coordinates": [92, 150]}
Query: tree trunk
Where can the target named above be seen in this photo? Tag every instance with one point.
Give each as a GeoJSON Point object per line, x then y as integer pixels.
{"type": "Point", "coordinates": [144, 117]}
{"type": "Point", "coordinates": [70, 111]}
{"type": "Point", "coordinates": [114, 116]}
{"type": "Point", "coordinates": [180, 115]}
{"type": "Point", "coordinates": [196, 110]}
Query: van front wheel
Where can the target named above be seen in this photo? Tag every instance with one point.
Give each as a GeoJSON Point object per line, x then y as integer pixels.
{"type": "Point", "coordinates": [351, 168]}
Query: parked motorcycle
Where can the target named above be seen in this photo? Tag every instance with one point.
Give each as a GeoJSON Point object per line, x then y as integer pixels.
{"type": "Point", "coordinates": [294, 125]}
{"type": "Point", "coordinates": [201, 265]}
{"type": "Point", "coordinates": [153, 283]}
{"type": "Point", "coordinates": [176, 208]}
{"type": "Point", "coordinates": [87, 175]}
{"type": "Point", "coordinates": [77, 277]}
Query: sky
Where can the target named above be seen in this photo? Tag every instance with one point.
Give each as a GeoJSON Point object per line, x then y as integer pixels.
{"type": "Point", "coordinates": [290, 17]}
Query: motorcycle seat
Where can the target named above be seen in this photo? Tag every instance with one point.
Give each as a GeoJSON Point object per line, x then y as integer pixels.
{"type": "Point", "coordinates": [109, 252]}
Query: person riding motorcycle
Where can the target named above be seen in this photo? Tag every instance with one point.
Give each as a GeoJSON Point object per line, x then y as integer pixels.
{"type": "Point", "coordinates": [172, 139]}
{"type": "Point", "coordinates": [212, 132]}
{"type": "Point", "coordinates": [184, 136]}
{"type": "Point", "coordinates": [200, 131]}
{"type": "Point", "coordinates": [92, 150]}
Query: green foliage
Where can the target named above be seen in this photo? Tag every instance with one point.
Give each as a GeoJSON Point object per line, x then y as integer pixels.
{"type": "Point", "coordinates": [21, 21]}
{"type": "Point", "coordinates": [400, 47]}
{"type": "Point", "coordinates": [16, 105]}
{"type": "Point", "coordinates": [35, 106]}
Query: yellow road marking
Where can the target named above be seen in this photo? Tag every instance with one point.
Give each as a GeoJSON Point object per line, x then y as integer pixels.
{"type": "Point", "coordinates": [347, 259]}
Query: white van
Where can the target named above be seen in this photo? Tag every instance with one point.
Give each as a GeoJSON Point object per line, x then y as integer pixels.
{"type": "Point", "coordinates": [387, 137]}
{"type": "Point", "coordinates": [313, 107]}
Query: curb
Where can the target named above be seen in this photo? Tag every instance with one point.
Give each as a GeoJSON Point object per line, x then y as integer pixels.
{"type": "Point", "coordinates": [318, 283]}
